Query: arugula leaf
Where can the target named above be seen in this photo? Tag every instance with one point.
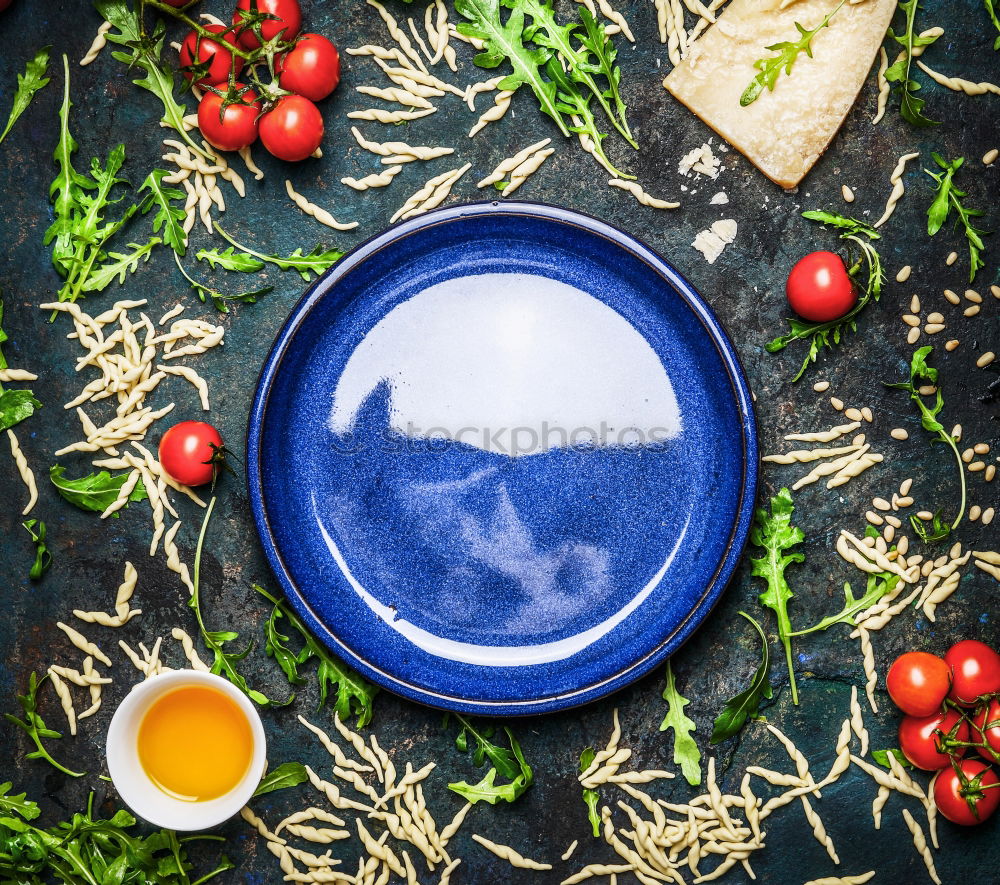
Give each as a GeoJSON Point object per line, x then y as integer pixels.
{"type": "Point", "coordinates": [503, 759]}
{"type": "Point", "coordinates": [34, 726]}
{"type": "Point", "coordinates": [96, 491]}
{"type": "Point", "coordinates": [591, 798]}
{"type": "Point", "coordinates": [686, 752]}
{"type": "Point", "coordinates": [947, 197]}
{"type": "Point", "coordinates": [549, 34]}
{"type": "Point", "coordinates": [224, 662]}
{"type": "Point", "coordinates": [354, 695]}
{"type": "Point", "coordinates": [123, 264]}
{"type": "Point", "coordinates": [90, 851]}
{"type": "Point", "coordinates": [19, 804]}
{"type": "Point", "coordinates": [168, 216]}
{"type": "Point", "coordinates": [505, 40]}
{"type": "Point", "coordinates": [489, 791]}
{"type": "Point", "coordinates": [43, 559]}
{"type": "Point", "coordinates": [143, 52]}
{"type": "Point", "coordinates": [67, 188]}
{"type": "Point", "coordinates": [28, 84]}
{"type": "Point", "coordinates": [744, 705]}
{"type": "Point", "coordinates": [230, 259]}
{"type": "Point", "coordinates": [572, 102]}
{"type": "Point", "coordinates": [877, 587]}
{"type": "Point", "coordinates": [288, 774]}
{"type": "Point", "coordinates": [882, 758]}
{"type": "Point", "coordinates": [15, 406]}
{"type": "Point", "coordinates": [919, 372]}
{"type": "Point", "coordinates": [829, 334]}
{"type": "Point", "coordinates": [220, 300]}
{"type": "Point", "coordinates": [787, 52]}
{"type": "Point", "coordinates": [911, 108]}
{"type": "Point", "coordinates": [992, 13]}
{"type": "Point", "coordinates": [775, 533]}
{"type": "Point", "coordinates": [317, 261]}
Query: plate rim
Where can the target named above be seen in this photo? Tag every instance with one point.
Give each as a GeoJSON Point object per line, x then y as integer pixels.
{"type": "Point", "coordinates": [739, 533]}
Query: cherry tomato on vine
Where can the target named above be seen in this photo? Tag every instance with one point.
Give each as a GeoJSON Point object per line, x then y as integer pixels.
{"type": "Point", "coordinates": [191, 452]}
{"type": "Point", "coordinates": [968, 803]}
{"type": "Point", "coordinates": [198, 50]}
{"type": "Point", "coordinates": [288, 19]}
{"type": "Point", "coordinates": [237, 127]}
{"type": "Point", "coordinates": [292, 129]}
{"type": "Point", "coordinates": [918, 683]}
{"type": "Point", "coordinates": [975, 670]}
{"type": "Point", "coordinates": [310, 69]}
{"type": "Point", "coordinates": [919, 738]}
{"type": "Point", "coordinates": [987, 728]}
{"type": "Point", "coordinates": [819, 288]}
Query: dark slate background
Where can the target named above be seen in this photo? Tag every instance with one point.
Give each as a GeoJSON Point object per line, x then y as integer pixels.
{"type": "Point", "coordinates": [744, 287]}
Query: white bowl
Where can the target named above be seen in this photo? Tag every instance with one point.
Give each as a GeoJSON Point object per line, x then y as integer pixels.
{"type": "Point", "coordinates": [136, 788]}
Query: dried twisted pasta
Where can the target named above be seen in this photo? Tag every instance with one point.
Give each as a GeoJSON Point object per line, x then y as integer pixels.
{"type": "Point", "coordinates": [333, 748]}
{"type": "Point", "coordinates": [397, 34]}
{"type": "Point", "coordinates": [317, 212]}
{"type": "Point", "coordinates": [819, 831]}
{"type": "Point", "coordinates": [878, 803]}
{"type": "Point", "coordinates": [920, 843]}
{"type": "Point", "coordinates": [568, 853]}
{"type": "Point", "coordinates": [247, 814]}
{"type": "Point", "coordinates": [843, 759]}
{"type": "Point", "coordinates": [957, 84]}
{"type": "Point", "coordinates": [616, 18]}
{"type": "Point", "coordinates": [65, 699]}
{"type": "Point", "coordinates": [95, 689]}
{"type": "Point", "coordinates": [474, 89]}
{"type": "Point", "coordinates": [17, 375]}
{"type": "Point", "coordinates": [501, 103]}
{"type": "Point", "coordinates": [898, 188]}
{"type": "Point", "coordinates": [27, 477]}
{"type": "Point", "coordinates": [883, 86]}
{"type": "Point", "coordinates": [252, 167]}
{"type": "Point", "coordinates": [525, 170]}
{"type": "Point", "coordinates": [319, 835]}
{"type": "Point", "coordinates": [884, 778]}
{"type": "Point", "coordinates": [456, 822]}
{"type": "Point", "coordinates": [824, 436]}
{"type": "Point", "coordinates": [187, 646]}
{"type": "Point", "coordinates": [432, 194]}
{"type": "Point", "coordinates": [84, 644]}
{"type": "Point", "coordinates": [828, 467]}
{"type": "Point", "coordinates": [857, 721]}
{"type": "Point", "coordinates": [508, 165]}
{"type": "Point", "coordinates": [378, 115]}
{"type": "Point", "coordinates": [100, 41]}
{"type": "Point", "coordinates": [854, 468]}
{"type": "Point", "coordinates": [84, 680]}
{"type": "Point", "coordinates": [376, 179]}
{"type": "Point", "coordinates": [804, 456]}
{"type": "Point", "coordinates": [843, 880]}
{"type": "Point", "coordinates": [399, 150]}
{"type": "Point", "coordinates": [868, 658]}
{"type": "Point", "coordinates": [635, 189]}
{"type": "Point", "coordinates": [505, 852]}
{"type": "Point", "coordinates": [395, 94]}
{"type": "Point", "coordinates": [310, 814]}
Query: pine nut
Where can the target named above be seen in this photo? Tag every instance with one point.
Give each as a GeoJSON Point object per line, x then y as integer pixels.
{"type": "Point", "coordinates": [899, 433]}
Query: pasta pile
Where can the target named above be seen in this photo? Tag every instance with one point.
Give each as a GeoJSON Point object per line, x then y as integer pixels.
{"type": "Point", "coordinates": [383, 799]}
{"type": "Point", "coordinates": [133, 358]}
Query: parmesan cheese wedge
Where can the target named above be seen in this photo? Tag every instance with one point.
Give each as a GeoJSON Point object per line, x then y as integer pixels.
{"type": "Point", "coordinates": [784, 132]}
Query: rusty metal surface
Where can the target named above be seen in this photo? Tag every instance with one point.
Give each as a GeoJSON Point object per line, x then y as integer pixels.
{"type": "Point", "coordinates": [745, 288]}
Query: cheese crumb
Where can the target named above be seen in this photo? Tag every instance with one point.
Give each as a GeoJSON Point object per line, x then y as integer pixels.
{"type": "Point", "coordinates": [711, 242]}
{"type": "Point", "coordinates": [700, 161]}
{"type": "Point", "coordinates": [720, 199]}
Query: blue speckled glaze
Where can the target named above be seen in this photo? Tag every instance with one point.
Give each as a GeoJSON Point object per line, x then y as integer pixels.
{"type": "Point", "coordinates": [476, 581]}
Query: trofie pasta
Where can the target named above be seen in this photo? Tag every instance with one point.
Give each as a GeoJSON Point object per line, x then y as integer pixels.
{"type": "Point", "coordinates": [24, 471]}
{"type": "Point", "coordinates": [898, 188]}
{"type": "Point", "coordinates": [645, 199]}
{"type": "Point", "coordinates": [311, 209]}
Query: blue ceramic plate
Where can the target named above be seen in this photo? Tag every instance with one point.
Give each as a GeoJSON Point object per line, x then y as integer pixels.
{"type": "Point", "coordinates": [502, 459]}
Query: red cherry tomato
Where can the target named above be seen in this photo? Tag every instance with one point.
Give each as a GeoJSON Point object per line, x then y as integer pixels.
{"type": "Point", "coordinates": [919, 738]}
{"type": "Point", "coordinates": [918, 683]}
{"type": "Point", "coordinates": [198, 50]}
{"type": "Point", "coordinates": [311, 69]}
{"type": "Point", "coordinates": [237, 127]}
{"type": "Point", "coordinates": [288, 19]}
{"type": "Point", "coordinates": [187, 453]}
{"type": "Point", "coordinates": [970, 804]}
{"type": "Point", "coordinates": [293, 129]}
{"type": "Point", "coordinates": [4, 4]}
{"type": "Point", "coordinates": [975, 670]}
{"type": "Point", "coordinates": [987, 728]}
{"type": "Point", "coordinates": [819, 289]}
